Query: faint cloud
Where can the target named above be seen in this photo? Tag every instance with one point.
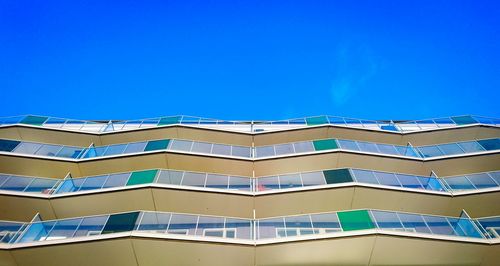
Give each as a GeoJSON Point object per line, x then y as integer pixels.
{"type": "Point", "coordinates": [354, 66]}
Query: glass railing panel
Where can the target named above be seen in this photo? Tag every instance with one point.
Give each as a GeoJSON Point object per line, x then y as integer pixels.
{"type": "Point", "coordinates": [240, 183]}
{"type": "Point", "coordinates": [414, 223]}
{"type": "Point", "coordinates": [15, 183]}
{"type": "Point", "coordinates": [9, 230]}
{"type": "Point", "coordinates": [325, 223]}
{"type": "Point", "coordinates": [463, 120]}
{"type": "Point", "coordinates": [71, 152]}
{"type": "Point", "coordinates": [355, 220]}
{"type": "Point", "coordinates": [154, 222]}
{"type": "Point", "coordinates": [487, 120]}
{"type": "Point", "coordinates": [148, 123]}
{"type": "Point", "coordinates": [368, 147]}
{"type": "Point", "coordinates": [313, 179]}
{"type": "Point", "coordinates": [337, 176]}
{"type": "Point", "coordinates": [410, 181]}
{"type": "Point", "coordinates": [93, 182]}
{"type": "Point", "coordinates": [267, 183]}
{"type": "Point", "coordinates": [37, 232]}
{"type": "Point", "coordinates": [27, 148]}
{"type": "Point", "coordinates": [48, 150]}
{"type": "Point", "coordinates": [210, 226]}
{"type": "Point", "coordinates": [122, 222]}
{"type": "Point", "coordinates": [182, 224]}
{"type": "Point", "coordinates": [271, 228]}
{"type": "Point", "coordinates": [471, 146]}
{"type": "Point", "coordinates": [491, 226]}
{"type": "Point", "coordinates": [64, 229]}
{"type": "Point", "coordinates": [464, 227]}
{"type": "Point", "coordinates": [41, 185]}
{"type": "Point", "coordinates": [387, 179]}
{"type": "Point", "coordinates": [135, 147]}
{"type": "Point", "coordinates": [70, 185]}
{"type": "Point", "coordinates": [194, 179]}
{"type": "Point", "coordinates": [426, 124]}
{"type": "Point", "coordinates": [91, 226]}
{"type": "Point", "coordinates": [241, 151]}
{"type": "Point", "coordinates": [430, 151]}
{"type": "Point", "coordinates": [335, 120]}
{"type": "Point", "coordinates": [217, 181]}
{"type": "Point", "coordinates": [221, 149]}
{"type": "Point", "coordinates": [200, 147]}
{"type": "Point", "coordinates": [490, 144]}
{"type": "Point", "coordinates": [11, 120]}
{"type": "Point", "coordinates": [181, 145]}
{"type": "Point", "coordinates": [482, 180]}
{"type": "Point", "coordinates": [458, 183]}
{"type": "Point", "coordinates": [264, 151]}
{"type": "Point", "coordinates": [496, 176]}
{"type": "Point", "coordinates": [116, 180]}
{"type": "Point", "coordinates": [439, 225]}
{"type": "Point", "coordinates": [8, 145]}
{"type": "Point", "coordinates": [290, 181]}
{"type": "Point", "coordinates": [348, 145]}
{"type": "Point", "coordinates": [238, 228]}
{"type": "Point", "coordinates": [298, 226]}
{"type": "Point", "coordinates": [283, 149]}
{"type": "Point", "coordinates": [451, 149]}
{"type": "Point", "coordinates": [364, 176]}
{"type": "Point", "coordinates": [73, 124]}
{"type": "Point", "coordinates": [170, 177]}
{"type": "Point", "coordinates": [444, 122]}
{"type": "Point", "coordinates": [387, 221]}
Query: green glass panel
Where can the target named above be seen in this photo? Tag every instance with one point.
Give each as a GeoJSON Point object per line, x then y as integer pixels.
{"type": "Point", "coordinates": [463, 120]}
{"type": "Point", "coordinates": [122, 222]}
{"type": "Point", "coordinates": [325, 144]}
{"type": "Point", "coordinates": [355, 220]}
{"type": "Point", "coordinates": [142, 177]}
{"type": "Point", "coordinates": [317, 120]}
{"type": "Point", "coordinates": [169, 120]}
{"type": "Point", "coordinates": [157, 145]}
{"type": "Point", "coordinates": [490, 144]}
{"type": "Point", "coordinates": [337, 176]}
{"type": "Point", "coordinates": [8, 145]}
{"type": "Point", "coordinates": [34, 120]}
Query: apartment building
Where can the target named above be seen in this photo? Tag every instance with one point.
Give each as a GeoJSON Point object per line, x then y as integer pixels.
{"type": "Point", "coordinates": [183, 190]}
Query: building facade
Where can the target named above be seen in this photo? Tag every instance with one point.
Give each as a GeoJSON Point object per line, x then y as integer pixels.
{"type": "Point", "coordinates": [186, 190]}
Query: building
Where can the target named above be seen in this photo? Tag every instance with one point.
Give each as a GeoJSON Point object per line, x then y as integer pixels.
{"type": "Point", "coordinates": [192, 191]}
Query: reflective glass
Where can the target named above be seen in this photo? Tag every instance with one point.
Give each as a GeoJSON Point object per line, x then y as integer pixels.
{"type": "Point", "coordinates": [70, 152]}
{"type": "Point", "coordinates": [438, 225]}
{"type": "Point", "coordinates": [388, 179]}
{"type": "Point", "coordinates": [413, 223]}
{"type": "Point", "coordinates": [325, 223]}
{"type": "Point", "coordinates": [490, 144]}
{"type": "Point", "coordinates": [41, 185]}
{"type": "Point", "coordinates": [284, 149]}
{"type": "Point", "coordinates": [240, 183]}
{"type": "Point", "coordinates": [464, 227]}
{"type": "Point", "coordinates": [364, 176]}
{"type": "Point", "coordinates": [409, 181]}
{"type": "Point", "coordinates": [135, 147]}
{"type": "Point", "coordinates": [290, 181]}
{"type": "Point", "coordinates": [491, 226]}
{"type": "Point", "coordinates": [27, 148]}
{"type": "Point", "coordinates": [313, 179]}
{"type": "Point", "coordinates": [348, 145]}
{"type": "Point", "coordinates": [91, 226]}
{"type": "Point", "coordinates": [305, 146]}
{"type": "Point", "coordinates": [482, 180]}
{"type": "Point", "coordinates": [170, 177]}
{"type": "Point", "coordinates": [470, 146]}
{"type": "Point", "coordinates": [3, 179]}
{"type": "Point", "coordinates": [387, 220]}
{"type": "Point", "coordinates": [94, 182]}
{"type": "Point", "coordinates": [70, 185]}
{"type": "Point", "coordinates": [202, 147]}
{"type": "Point", "coordinates": [430, 151]}
{"type": "Point", "coordinates": [64, 229]}
{"type": "Point", "coordinates": [115, 149]}
{"type": "Point", "coordinates": [217, 181]}
{"type": "Point", "coordinates": [463, 120]}
{"type": "Point", "coordinates": [458, 183]}
{"type": "Point", "coordinates": [221, 149]}
{"type": "Point", "coordinates": [37, 232]}
{"type": "Point", "coordinates": [266, 183]}
{"type": "Point", "coordinates": [48, 150]}
{"type": "Point", "coordinates": [242, 228]}
{"type": "Point", "coordinates": [16, 183]}
{"type": "Point", "coordinates": [264, 151]}
{"type": "Point", "coordinates": [431, 183]}
{"type": "Point", "coordinates": [116, 180]}
{"type": "Point", "coordinates": [182, 224]}
{"type": "Point", "coordinates": [153, 221]}
{"type": "Point", "coordinates": [298, 225]}
{"type": "Point", "coordinates": [181, 145]}
{"type": "Point", "coordinates": [241, 151]}
{"type": "Point", "coordinates": [451, 149]}
{"type": "Point", "coordinates": [368, 147]}
{"type": "Point", "coordinates": [387, 149]}
{"type": "Point", "coordinates": [317, 120]}
{"type": "Point", "coordinates": [210, 226]}
{"type": "Point", "coordinates": [271, 228]}
{"type": "Point", "coordinates": [34, 120]}
{"type": "Point", "coordinates": [337, 176]}
{"type": "Point", "coordinates": [157, 145]}
{"type": "Point", "coordinates": [495, 176]}
{"type": "Point", "coordinates": [194, 179]}
{"type": "Point", "coordinates": [9, 231]}
{"type": "Point", "coordinates": [325, 144]}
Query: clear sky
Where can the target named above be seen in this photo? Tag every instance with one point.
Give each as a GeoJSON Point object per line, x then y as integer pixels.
{"type": "Point", "coordinates": [250, 59]}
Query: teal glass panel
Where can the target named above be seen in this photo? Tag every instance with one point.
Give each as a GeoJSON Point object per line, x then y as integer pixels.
{"type": "Point", "coordinates": [8, 145]}
{"type": "Point", "coordinates": [355, 220]}
{"type": "Point", "coordinates": [490, 144]}
{"type": "Point", "coordinates": [169, 120]}
{"type": "Point", "coordinates": [142, 177]}
{"type": "Point", "coordinates": [34, 120]}
{"type": "Point", "coordinates": [325, 144]}
{"type": "Point", "coordinates": [157, 145]}
{"type": "Point", "coordinates": [463, 120]}
{"type": "Point", "coordinates": [120, 223]}
{"type": "Point", "coordinates": [317, 120]}
{"type": "Point", "coordinates": [337, 176]}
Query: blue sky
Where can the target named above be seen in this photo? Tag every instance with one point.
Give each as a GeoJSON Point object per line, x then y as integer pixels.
{"type": "Point", "coordinates": [250, 59]}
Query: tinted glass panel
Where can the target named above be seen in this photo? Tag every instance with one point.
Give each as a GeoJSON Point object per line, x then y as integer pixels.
{"type": "Point", "coordinates": [8, 145]}
{"type": "Point", "coordinates": [182, 224]}
{"type": "Point", "coordinates": [181, 145]}
{"type": "Point", "coordinates": [269, 182]}
{"type": "Point", "coordinates": [64, 229]}
{"type": "Point", "coordinates": [206, 226]}
{"type": "Point", "coordinates": [348, 145]}
{"type": "Point", "coordinates": [337, 176]}
{"type": "Point", "coordinates": [221, 149]}
{"type": "Point", "coordinates": [313, 179]}
{"type": "Point", "coordinates": [242, 227]}
{"type": "Point", "coordinates": [439, 225]}
{"type": "Point", "coordinates": [142, 177]}
{"type": "Point", "coordinates": [471, 146]}
{"type": "Point", "coordinates": [290, 181]}
{"type": "Point", "coordinates": [325, 144]}
{"type": "Point", "coordinates": [91, 226]}
{"type": "Point", "coordinates": [458, 183]}
{"type": "Point", "coordinates": [34, 120]}
{"type": "Point", "coordinates": [217, 181]}
{"type": "Point", "coordinates": [194, 179]}
{"type": "Point", "coordinates": [157, 145]}
{"type": "Point", "coordinates": [169, 120]}
{"type": "Point", "coordinates": [463, 120]}
{"type": "Point", "coordinates": [388, 179]}
{"type": "Point", "coordinates": [201, 147]}
{"type": "Point", "coordinates": [240, 183]}
{"type": "Point", "coordinates": [152, 221]}
{"type": "Point", "coordinates": [120, 223]}
{"type": "Point", "coordinates": [318, 120]}
{"type": "Point", "coordinates": [271, 228]}
{"type": "Point", "coordinates": [409, 181]}
{"type": "Point", "coordinates": [16, 183]}
{"type": "Point", "coordinates": [170, 177]}
{"type": "Point", "coordinates": [264, 151]}
{"type": "Point", "coordinates": [450, 149]}
{"type": "Point", "coordinates": [430, 151]}
{"type": "Point", "coordinates": [241, 151]}
{"type": "Point", "coordinates": [482, 180]}
{"type": "Point", "coordinates": [305, 146]}
{"type": "Point", "coordinates": [41, 185]}
{"type": "Point", "coordinates": [48, 150]}
{"type": "Point", "coordinates": [413, 223]}
{"type": "Point", "coordinates": [135, 147]}
{"type": "Point", "coordinates": [27, 147]}
{"type": "Point", "coordinates": [490, 144]}
{"type": "Point", "coordinates": [355, 220]}
{"type": "Point", "coordinates": [387, 220]}
{"type": "Point", "coordinates": [364, 176]}
{"type": "Point", "coordinates": [326, 223]}
{"type": "Point", "coordinates": [94, 182]}
{"type": "Point", "coordinates": [116, 180]}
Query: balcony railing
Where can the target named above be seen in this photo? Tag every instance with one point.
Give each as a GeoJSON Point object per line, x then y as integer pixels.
{"type": "Point", "coordinates": [422, 152]}
{"type": "Point", "coordinates": [257, 231]}
{"type": "Point", "coordinates": [473, 183]}
{"type": "Point", "coordinates": [246, 126]}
